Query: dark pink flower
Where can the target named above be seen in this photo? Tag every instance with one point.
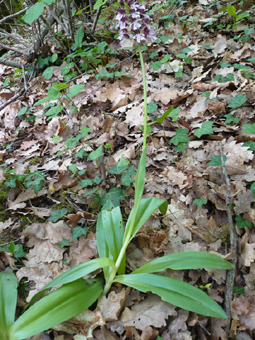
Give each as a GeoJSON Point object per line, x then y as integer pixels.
{"type": "Point", "coordinates": [133, 23]}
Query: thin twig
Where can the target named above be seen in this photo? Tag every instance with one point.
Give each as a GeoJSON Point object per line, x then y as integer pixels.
{"type": "Point", "coordinates": [96, 19]}
{"type": "Point", "coordinates": [12, 15]}
{"type": "Point", "coordinates": [15, 49]}
{"type": "Point", "coordinates": [12, 99]}
{"type": "Point", "coordinates": [233, 244]}
{"type": "Point", "coordinates": [24, 76]}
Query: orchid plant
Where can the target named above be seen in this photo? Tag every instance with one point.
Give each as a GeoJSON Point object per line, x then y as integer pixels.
{"type": "Point", "coordinates": [77, 294]}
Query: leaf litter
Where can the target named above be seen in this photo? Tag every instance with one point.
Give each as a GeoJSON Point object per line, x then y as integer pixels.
{"type": "Point", "coordinates": [206, 78]}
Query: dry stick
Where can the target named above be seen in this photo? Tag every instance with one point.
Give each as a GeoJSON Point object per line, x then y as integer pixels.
{"type": "Point", "coordinates": [233, 245]}
{"type": "Point", "coordinates": [13, 15]}
{"type": "Point", "coordinates": [12, 99]}
{"type": "Point", "coordinates": [10, 63]}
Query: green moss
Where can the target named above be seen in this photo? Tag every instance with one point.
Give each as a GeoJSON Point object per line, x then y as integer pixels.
{"type": "Point", "coordinates": [35, 160]}
{"type": "Point", "coordinates": [70, 208]}
{"type": "Point", "coordinates": [224, 234]}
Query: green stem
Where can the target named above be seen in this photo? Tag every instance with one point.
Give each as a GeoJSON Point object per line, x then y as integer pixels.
{"type": "Point", "coordinates": [137, 202]}
{"type": "Point", "coordinates": [144, 97]}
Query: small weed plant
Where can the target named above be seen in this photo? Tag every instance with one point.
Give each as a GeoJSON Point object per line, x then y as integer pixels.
{"type": "Point", "coordinates": [76, 294]}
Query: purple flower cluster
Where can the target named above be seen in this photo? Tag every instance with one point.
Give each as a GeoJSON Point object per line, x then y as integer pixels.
{"type": "Point", "coordinates": [133, 23]}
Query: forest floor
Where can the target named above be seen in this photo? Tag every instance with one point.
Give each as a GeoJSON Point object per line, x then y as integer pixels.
{"type": "Point", "coordinates": [55, 169]}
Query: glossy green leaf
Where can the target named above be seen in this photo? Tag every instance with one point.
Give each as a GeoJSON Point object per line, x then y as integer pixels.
{"type": "Point", "coordinates": [102, 246]}
{"type": "Point", "coordinates": [178, 293]}
{"type": "Point", "coordinates": [8, 301]}
{"type": "Point", "coordinates": [146, 208]}
{"type": "Point", "coordinates": [185, 260]}
{"type": "Point", "coordinates": [76, 273]}
{"type": "Point", "coordinates": [114, 231]}
{"type": "Point", "coordinates": [60, 305]}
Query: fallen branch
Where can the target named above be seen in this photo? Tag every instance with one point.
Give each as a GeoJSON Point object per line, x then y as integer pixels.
{"type": "Point", "coordinates": [233, 245]}
{"type": "Point", "coordinates": [10, 63]}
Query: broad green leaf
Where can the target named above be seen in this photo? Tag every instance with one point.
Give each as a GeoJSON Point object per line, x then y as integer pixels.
{"type": "Point", "coordinates": [102, 246]}
{"type": "Point", "coordinates": [249, 128]}
{"type": "Point", "coordinates": [200, 202]}
{"type": "Point", "coordinates": [76, 89]}
{"type": "Point", "coordinates": [184, 260]}
{"type": "Point", "coordinates": [60, 305]}
{"type": "Point", "coordinates": [206, 129]}
{"type": "Point", "coordinates": [242, 223]}
{"type": "Point", "coordinates": [75, 273]}
{"type": "Point", "coordinates": [146, 208]}
{"type": "Point", "coordinates": [231, 10]}
{"type": "Point", "coordinates": [94, 155]}
{"type": "Point", "coordinates": [181, 136]}
{"type": "Point", "coordinates": [237, 101]}
{"type": "Point", "coordinates": [48, 73]}
{"type": "Point", "coordinates": [114, 231]}
{"type": "Point", "coordinates": [8, 301]}
{"type": "Point", "coordinates": [216, 160]}
{"type": "Point", "coordinates": [178, 293]}
{"type": "Point", "coordinates": [99, 3]}
{"type": "Point", "coordinates": [78, 38]}
{"type": "Point", "coordinates": [56, 215]}
{"type": "Point", "coordinates": [61, 86]}
{"type": "Point", "coordinates": [118, 168]}
{"type": "Point", "coordinates": [33, 13]}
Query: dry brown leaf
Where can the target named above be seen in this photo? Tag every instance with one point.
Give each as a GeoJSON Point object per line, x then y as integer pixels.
{"type": "Point", "coordinates": [150, 312]}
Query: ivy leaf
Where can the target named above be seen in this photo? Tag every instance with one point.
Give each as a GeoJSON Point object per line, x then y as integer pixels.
{"type": "Point", "coordinates": [126, 178]}
{"type": "Point", "coordinates": [237, 101]}
{"type": "Point", "coordinates": [94, 155]}
{"type": "Point", "coordinates": [216, 160]}
{"type": "Point", "coordinates": [231, 118]}
{"type": "Point", "coordinates": [17, 250]}
{"type": "Point", "coordinates": [250, 144]}
{"type": "Point", "coordinates": [206, 129]}
{"type": "Point", "coordinates": [118, 168]}
{"type": "Point", "coordinates": [152, 107]}
{"type": "Point", "coordinates": [181, 136]}
{"type": "Point", "coordinates": [78, 231]}
{"type": "Point", "coordinates": [56, 215]}
{"type": "Point", "coordinates": [200, 202]}
{"type": "Point", "coordinates": [115, 195]}
{"type": "Point", "coordinates": [64, 243]}
{"type": "Point", "coordinates": [242, 223]}
{"type": "Point", "coordinates": [249, 128]}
